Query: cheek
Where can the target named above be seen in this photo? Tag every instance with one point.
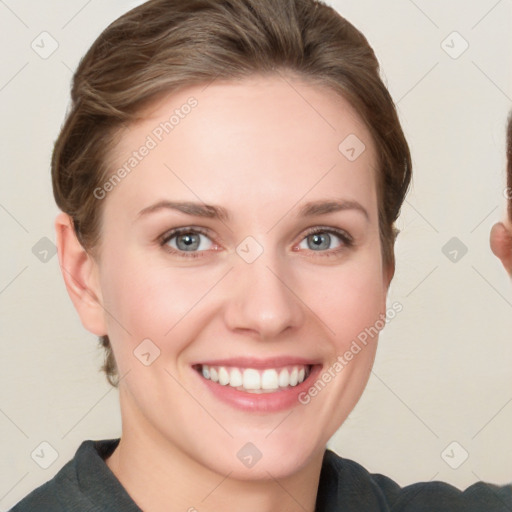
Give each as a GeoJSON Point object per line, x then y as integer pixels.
{"type": "Point", "coordinates": [353, 298]}
{"type": "Point", "coordinates": [147, 301]}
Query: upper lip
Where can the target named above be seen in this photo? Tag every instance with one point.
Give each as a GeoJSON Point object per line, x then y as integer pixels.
{"type": "Point", "coordinates": [258, 363]}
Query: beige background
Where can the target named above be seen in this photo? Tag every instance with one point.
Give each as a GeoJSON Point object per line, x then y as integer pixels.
{"type": "Point", "coordinates": [443, 372]}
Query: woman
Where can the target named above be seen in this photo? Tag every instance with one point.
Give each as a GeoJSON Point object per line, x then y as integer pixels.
{"type": "Point", "coordinates": [229, 175]}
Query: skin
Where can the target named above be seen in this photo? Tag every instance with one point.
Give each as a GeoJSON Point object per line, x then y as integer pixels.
{"type": "Point", "coordinates": [259, 150]}
{"type": "Point", "coordinates": [501, 243]}
{"type": "Point", "coordinates": [501, 232]}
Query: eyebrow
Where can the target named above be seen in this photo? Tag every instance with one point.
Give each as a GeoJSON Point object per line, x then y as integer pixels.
{"type": "Point", "coordinates": [322, 207]}
{"type": "Point", "coordinates": [188, 207]}
{"type": "Point", "coordinates": [310, 209]}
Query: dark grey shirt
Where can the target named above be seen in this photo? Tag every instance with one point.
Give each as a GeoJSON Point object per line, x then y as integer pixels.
{"type": "Point", "coordinates": [86, 484]}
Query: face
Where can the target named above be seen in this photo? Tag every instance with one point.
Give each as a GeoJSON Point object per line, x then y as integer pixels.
{"type": "Point", "coordinates": [501, 233]}
{"type": "Point", "coordinates": [240, 259]}
{"type": "Point", "coordinates": [501, 243]}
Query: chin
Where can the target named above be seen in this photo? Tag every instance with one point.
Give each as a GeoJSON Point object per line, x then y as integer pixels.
{"type": "Point", "coordinates": [264, 458]}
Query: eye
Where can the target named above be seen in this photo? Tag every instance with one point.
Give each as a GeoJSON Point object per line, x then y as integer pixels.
{"type": "Point", "coordinates": [326, 240]}
{"type": "Point", "coordinates": [187, 240]}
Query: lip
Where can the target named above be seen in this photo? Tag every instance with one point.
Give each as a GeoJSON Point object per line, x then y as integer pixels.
{"type": "Point", "coordinates": [259, 402]}
{"type": "Point", "coordinates": [259, 364]}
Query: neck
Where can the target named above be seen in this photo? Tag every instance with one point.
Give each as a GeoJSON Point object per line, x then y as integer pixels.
{"type": "Point", "coordinates": [161, 477]}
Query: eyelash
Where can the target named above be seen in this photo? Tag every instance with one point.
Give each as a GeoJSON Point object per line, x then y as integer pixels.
{"type": "Point", "coordinates": [183, 231]}
{"type": "Point", "coordinates": [345, 238]}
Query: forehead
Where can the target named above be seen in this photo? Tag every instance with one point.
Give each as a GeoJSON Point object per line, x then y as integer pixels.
{"type": "Point", "coordinates": [262, 138]}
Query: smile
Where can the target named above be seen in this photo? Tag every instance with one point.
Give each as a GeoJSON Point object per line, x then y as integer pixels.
{"type": "Point", "coordinates": [253, 380]}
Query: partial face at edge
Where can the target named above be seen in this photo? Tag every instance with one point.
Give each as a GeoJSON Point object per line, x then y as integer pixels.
{"type": "Point", "coordinates": [278, 278]}
{"type": "Point", "coordinates": [501, 234]}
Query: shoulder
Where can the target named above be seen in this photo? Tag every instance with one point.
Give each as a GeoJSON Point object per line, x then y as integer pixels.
{"type": "Point", "coordinates": [49, 496]}
{"type": "Point", "coordinates": [69, 488]}
{"type": "Point", "coordinates": [377, 492]}
{"type": "Point", "coordinates": [45, 498]}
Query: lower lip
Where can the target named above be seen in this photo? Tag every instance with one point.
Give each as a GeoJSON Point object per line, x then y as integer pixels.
{"type": "Point", "coordinates": [261, 402]}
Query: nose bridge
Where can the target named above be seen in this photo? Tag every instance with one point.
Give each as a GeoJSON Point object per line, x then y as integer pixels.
{"type": "Point", "coordinates": [261, 297]}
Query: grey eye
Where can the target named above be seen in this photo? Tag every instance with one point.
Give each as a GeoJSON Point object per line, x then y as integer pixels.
{"type": "Point", "coordinates": [321, 241]}
{"type": "Point", "coordinates": [189, 241]}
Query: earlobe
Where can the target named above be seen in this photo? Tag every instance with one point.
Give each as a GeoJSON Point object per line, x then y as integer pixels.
{"type": "Point", "coordinates": [501, 244]}
{"type": "Point", "coordinates": [80, 274]}
{"type": "Point", "coordinates": [388, 273]}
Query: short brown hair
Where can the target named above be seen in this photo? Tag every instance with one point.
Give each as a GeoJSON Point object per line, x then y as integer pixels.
{"type": "Point", "coordinates": [164, 45]}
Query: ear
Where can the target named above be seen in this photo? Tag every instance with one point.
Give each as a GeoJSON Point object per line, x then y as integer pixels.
{"type": "Point", "coordinates": [501, 244]}
{"type": "Point", "coordinates": [80, 273]}
{"type": "Point", "coordinates": [389, 273]}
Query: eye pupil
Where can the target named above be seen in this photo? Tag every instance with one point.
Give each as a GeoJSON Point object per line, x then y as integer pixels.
{"type": "Point", "coordinates": [191, 241]}
{"type": "Point", "coordinates": [320, 241]}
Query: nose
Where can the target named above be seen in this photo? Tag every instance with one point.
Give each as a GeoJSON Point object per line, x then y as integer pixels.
{"type": "Point", "coordinates": [262, 299]}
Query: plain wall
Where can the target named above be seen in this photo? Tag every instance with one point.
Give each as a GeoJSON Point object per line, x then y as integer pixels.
{"type": "Point", "coordinates": [443, 371]}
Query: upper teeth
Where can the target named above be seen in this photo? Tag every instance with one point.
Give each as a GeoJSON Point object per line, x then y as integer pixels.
{"type": "Point", "coordinates": [255, 381]}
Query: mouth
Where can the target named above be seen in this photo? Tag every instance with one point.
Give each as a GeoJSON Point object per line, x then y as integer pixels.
{"type": "Point", "coordinates": [256, 380]}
